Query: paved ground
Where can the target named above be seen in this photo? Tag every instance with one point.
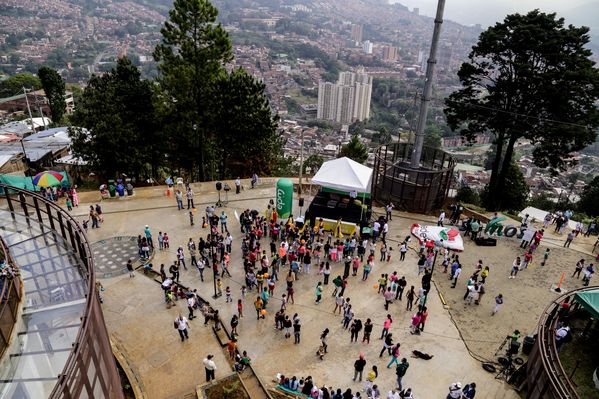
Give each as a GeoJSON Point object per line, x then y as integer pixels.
{"type": "Point", "coordinates": [143, 328]}
{"type": "Point", "coordinates": [111, 255]}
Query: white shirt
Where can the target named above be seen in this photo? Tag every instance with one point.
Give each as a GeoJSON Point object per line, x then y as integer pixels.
{"type": "Point", "coordinates": [182, 322]}
{"type": "Point", "coordinates": [385, 228]}
{"type": "Point", "coordinates": [376, 226]}
{"type": "Point", "coordinates": [209, 364]}
{"type": "Point", "coordinates": [237, 182]}
{"type": "Point", "coordinates": [191, 301]}
{"type": "Point", "coordinates": [561, 333]}
{"type": "Point", "coordinates": [393, 395]}
{"type": "Point", "coordinates": [442, 216]}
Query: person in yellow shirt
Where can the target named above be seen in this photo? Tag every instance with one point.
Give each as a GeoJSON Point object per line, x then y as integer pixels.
{"type": "Point", "coordinates": [372, 374]}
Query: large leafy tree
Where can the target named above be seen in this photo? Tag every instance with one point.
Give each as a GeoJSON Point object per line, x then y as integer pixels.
{"type": "Point", "coordinates": [191, 56]}
{"type": "Point", "coordinates": [54, 88]}
{"type": "Point", "coordinates": [116, 126]}
{"type": "Point", "coordinates": [589, 199]}
{"type": "Point", "coordinates": [244, 128]}
{"type": "Point", "coordinates": [14, 85]}
{"type": "Point", "coordinates": [355, 150]}
{"type": "Point", "coordinates": [528, 77]}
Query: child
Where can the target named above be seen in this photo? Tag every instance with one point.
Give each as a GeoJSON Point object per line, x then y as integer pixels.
{"type": "Point", "coordinates": [240, 308]}
{"type": "Point", "coordinates": [545, 256]}
{"type": "Point", "coordinates": [244, 290]}
{"type": "Point", "coordinates": [219, 286]}
{"type": "Point", "coordinates": [191, 217]}
{"type": "Point", "coordinates": [204, 224]}
{"type": "Point", "coordinates": [166, 240]}
{"type": "Point", "coordinates": [84, 223]}
{"type": "Point", "coordinates": [130, 268]}
{"type": "Point", "coordinates": [228, 295]}
{"type": "Point", "coordinates": [69, 204]}
{"type": "Point", "coordinates": [389, 254]}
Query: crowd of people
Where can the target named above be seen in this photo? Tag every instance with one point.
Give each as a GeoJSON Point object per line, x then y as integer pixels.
{"type": "Point", "coordinates": [280, 252]}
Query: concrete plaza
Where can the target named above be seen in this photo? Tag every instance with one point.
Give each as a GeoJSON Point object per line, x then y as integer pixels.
{"type": "Point", "coordinates": [164, 367]}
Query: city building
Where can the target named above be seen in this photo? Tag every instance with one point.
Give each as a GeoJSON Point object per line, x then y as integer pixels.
{"type": "Point", "coordinates": [346, 101]}
{"type": "Point", "coordinates": [390, 53]}
{"type": "Point", "coordinates": [357, 31]}
{"type": "Point", "coordinates": [367, 46]}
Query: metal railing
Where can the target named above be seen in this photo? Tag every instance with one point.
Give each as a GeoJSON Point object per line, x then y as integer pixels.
{"type": "Point", "coordinates": [546, 376]}
{"type": "Point", "coordinates": [10, 296]}
{"type": "Point", "coordinates": [92, 344]}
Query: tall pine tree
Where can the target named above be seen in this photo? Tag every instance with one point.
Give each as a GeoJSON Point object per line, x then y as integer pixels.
{"type": "Point", "coordinates": [55, 92]}
{"type": "Point", "coordinates": [191, 56]}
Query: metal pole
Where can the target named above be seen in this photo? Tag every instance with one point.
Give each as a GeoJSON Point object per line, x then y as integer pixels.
{"type": "Point", "coordinates": [29, 109]}
{"type": "Point", "coordinates": [428, 88]}
{"type": "Point", "coordinates": [299, 189]}
{"type": "Point", "coordinates": [37, 104]}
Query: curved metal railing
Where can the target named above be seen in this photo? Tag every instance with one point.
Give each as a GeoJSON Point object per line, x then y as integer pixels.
{"type": "Point", "coordinates": [92, 336]}
{"type": "Point", "coordinates": [10, 296]}
{"type": "Point", "coordinates": [546, 375]}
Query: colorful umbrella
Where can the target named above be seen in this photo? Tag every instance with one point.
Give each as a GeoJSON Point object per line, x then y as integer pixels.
{"type": "Point", "coordinates": [47, 179]}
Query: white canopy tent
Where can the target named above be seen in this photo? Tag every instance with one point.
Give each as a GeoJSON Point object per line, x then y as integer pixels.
{"type": "Point", "coordinates": [344, 174]}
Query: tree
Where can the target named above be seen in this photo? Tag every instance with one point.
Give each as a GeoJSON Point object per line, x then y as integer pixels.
{"type": "Point", "coordinates": [467, 195]}
{"type": "Point", "coordinates": [432, 136]}
{"type": "Point", "coordinates": [314, 162]}
{"type": "Point", "coordinates": [55, 92]}
{"type": "Point", "coordinates": [528, 77]}
{"type": "Point", "coordinates": [191, 56]}
{"type": "Point", "coordinates": [244, 127]}
{"type": "Point", "coordinates": [515, 192]}
{"type": "Point", "coordinates": [354, 150]}
{"type": "Point", "coordinates": [14, 85]}
{"type": "Point", "coordinates": [116, 124]}
{"type": "Point", "coordinates": [589, 199]}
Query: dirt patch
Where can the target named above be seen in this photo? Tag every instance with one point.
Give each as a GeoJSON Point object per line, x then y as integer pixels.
{"type": "Point", "coordinates": [226, 388]}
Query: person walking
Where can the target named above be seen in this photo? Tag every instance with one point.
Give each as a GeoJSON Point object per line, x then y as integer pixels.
{"type": "Point", "coordinates": [395, 352]}
{"type": "Point", "coordinates": [130, 268]}
{"type": "Point", "coordinates": [348, 315]}
{"type": "Point", "coordinates": [318, 293]}
{"type": "Point", "coordinates": [367, 331]}
{"type": "Point", "coordinates": [401, 285]}
{"type": "Point", "coordinates": [410, 298]}
{"type": "Point", "coordinates": [189, 196]}
{"type": "Point", "coordinates": [515, 267]}
{"type": "Point", "coordinates": [323, 340]}
{"type": "Point", "coordinates": [181, 326]}
{"type": "Point", "coordinates": [371, 377]}
{"type": "Point", "coordinates": [400, 372]}
{"type": "Point", "coordinates": [210, 367]}
{"type": "Point", "coordinates": [354, 330]}
{"type": "Point", "coordinates": [455, 275]}
{"type": "Point", "coordinates": [441, 219]}
{"type": "Point", "coordinates": [579, 267]}
{"type": "Point", "coordinates": [386, 326]}
{"type": "Point", "coordinates": [359, 365]}
{"type": "Point", "coordinates": [191, 303]}
{"type": "Point", "coordinates": [569, 239]}
{"type": "Point", "coordinates": [297, 326]}
{"type": "Point", "coordinates": [498, 304]}
{"type": "Point", "coordinates": [402, 251]}
{"type": "Point", "coordinates": [387, 345]}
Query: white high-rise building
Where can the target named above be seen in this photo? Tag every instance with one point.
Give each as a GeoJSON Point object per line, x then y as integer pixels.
{"type": "Point", "coordinates": [327, 101]}
{"type": "Point", "coordinates": [367, 46]}
{"type": "Point", "coordinates": [346, 101]}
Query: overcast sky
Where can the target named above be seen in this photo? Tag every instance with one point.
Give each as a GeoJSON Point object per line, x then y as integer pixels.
{"type": "Point", "coordinates": [487, 12]}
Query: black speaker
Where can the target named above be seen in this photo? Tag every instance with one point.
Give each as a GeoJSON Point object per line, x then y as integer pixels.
{"type": "Point", "coordinates": [301, 202]}
{"type": "Point", "coordinates": [219, 186]}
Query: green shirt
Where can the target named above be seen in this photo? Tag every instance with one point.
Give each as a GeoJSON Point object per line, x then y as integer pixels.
{"type": "Point", "coordinates": [474, 226]}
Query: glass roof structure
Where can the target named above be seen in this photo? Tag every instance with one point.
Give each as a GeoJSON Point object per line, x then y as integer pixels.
{"type": "Point", "coordinates": [54, 300]}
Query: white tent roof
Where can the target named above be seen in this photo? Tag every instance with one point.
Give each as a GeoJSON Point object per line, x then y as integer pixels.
{"type": "Point", "coordinates": [344, 174]}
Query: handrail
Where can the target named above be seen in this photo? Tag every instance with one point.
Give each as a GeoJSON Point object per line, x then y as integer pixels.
{"type": "Point", "coordinates": [549, 356]}
{"type": "Point", "coordinates": [10, 290]}
{"type": "Point", "coordinates": [35, 207]}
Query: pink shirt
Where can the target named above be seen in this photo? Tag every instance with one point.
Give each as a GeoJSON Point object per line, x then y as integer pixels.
{"type": "Point", "coordinates": [387, 323]}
